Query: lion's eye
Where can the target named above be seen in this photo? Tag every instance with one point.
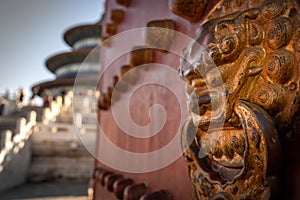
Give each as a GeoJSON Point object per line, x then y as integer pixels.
{"type": "Point", "coordinates": [228, 45]}
{"type": "Point", "coordinates": [215, 54]}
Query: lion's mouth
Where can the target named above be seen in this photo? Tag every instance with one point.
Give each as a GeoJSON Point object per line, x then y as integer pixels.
{"type": "Point", "coordinates": [200, 105]}
{"type": "Point", "coordinates": [228, 169]}
{"type": "Point", "coordinates": [224, 161]}
{"type": "Point", "coordinates": [236, 162]}
{"type": "Point", "coordinates": [222, 170]}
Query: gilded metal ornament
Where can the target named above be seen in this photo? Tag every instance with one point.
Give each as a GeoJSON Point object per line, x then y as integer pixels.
{"type": "Point", "coordinates": [251, 50]}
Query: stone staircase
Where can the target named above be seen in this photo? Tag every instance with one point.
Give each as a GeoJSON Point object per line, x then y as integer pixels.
{"type": "Point", "coordinates": [15, 149]}
{"type": "Point", "coordinates": [57, 149]}
{"type": "Point", "coordinates": [57, 153]}
{"type": "Point", "coordinates": [42, 145]}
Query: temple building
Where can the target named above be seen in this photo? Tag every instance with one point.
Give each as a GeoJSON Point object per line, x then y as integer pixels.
{"type": "Point", "coordinates": [58, 141]}
{"type": "Point", "coordinates": [65, 66]}
{"type": "Point", "coordinates": [54, 142]}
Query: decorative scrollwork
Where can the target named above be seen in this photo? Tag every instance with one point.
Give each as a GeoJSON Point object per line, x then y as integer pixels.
{"type": "Point", "coordinates": [254, 46]}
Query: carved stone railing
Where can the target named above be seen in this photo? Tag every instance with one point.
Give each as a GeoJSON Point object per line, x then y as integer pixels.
{"type": "Point", "coordinates": [58, 111]}
{"type": "Point", "coordinates": [12, 142]}
{"type": "Point", "coordinates": [15, 151]}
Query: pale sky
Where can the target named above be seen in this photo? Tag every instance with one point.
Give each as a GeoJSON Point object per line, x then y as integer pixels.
{"type": "Point", "coordinates": [31, 31]}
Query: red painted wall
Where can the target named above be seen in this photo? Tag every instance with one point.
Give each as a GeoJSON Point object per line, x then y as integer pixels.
{"type": "Point", "coordinates": [173, 177]}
